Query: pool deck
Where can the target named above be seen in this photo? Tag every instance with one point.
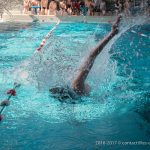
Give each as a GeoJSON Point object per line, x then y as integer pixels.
{"type": "Point", "coordinates": [52, 18]}
{"type": "Point", "coordinates": [17, 16]}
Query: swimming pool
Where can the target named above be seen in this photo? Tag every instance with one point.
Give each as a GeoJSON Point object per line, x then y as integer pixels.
{"type": "Point", "coordinates": [116, 110]}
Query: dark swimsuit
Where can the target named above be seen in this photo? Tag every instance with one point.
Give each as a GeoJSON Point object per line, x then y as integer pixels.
{"type": "Point", "coordinates": [63, 94]}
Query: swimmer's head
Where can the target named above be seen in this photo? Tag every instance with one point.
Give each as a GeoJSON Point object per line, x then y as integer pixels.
{"type": "Point", "coordinates": [56, 90]}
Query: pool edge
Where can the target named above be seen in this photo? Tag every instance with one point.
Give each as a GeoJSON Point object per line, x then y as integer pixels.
{"type": "Point", "coordinates": [50, 18]}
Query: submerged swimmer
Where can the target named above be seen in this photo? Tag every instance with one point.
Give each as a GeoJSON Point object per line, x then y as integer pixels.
{"type": "Point", "coordinates": [78, 85]}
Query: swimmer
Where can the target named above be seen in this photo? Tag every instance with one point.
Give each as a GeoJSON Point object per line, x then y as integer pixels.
{"type": "Point", "coordinates": [78, 85]}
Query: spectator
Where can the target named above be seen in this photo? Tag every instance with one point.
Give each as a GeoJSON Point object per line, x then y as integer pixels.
{"type": "Point", "coordinates": [90, 8]}
{"type": "Point", "coordinates": [143, 6]}
{"type": "Point", "coordinates": [52, 8]}
{"type": "Point", "coordinates": [69, 10]}
{"type": "Point", "coordinates": [100, 6]}
{"type": "Point", "coordinates": [103, 7]}
{"type": "Point", "coordinates": [148, 6]}
{"type": "Point", "coordinates": [63, 8]}
{"type": "Point", "coordinates": [83, 8]}
{"type": "Point", "coordinates": [1, 12]}
{"type": "Point", "coordinates": [97, 5]}
{"type": "Point", "coordinates": [76, 7]}
{"type": "Point", "coordinates": [69, 7]}
{"type": "Point", "coordinates": [127, 8]}
{"type": "Point", "coordinates": [44, 4]}
{"type": "Point", "coordinates": [35, 6]}
{"type": "Point", "coordinates": [58, 6]}
{"type": "Point", "coordinates": [26, 6]}
{"type": "Point", "coordinates": [49, 1]}
{"type": "Point", "coordinates": [118, 7]}
{"type": "Point", "coordinates": [69, 3]}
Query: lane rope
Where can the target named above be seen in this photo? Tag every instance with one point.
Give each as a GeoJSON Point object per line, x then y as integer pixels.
{"type": "Point", "coordinates": [133, 31]}
{"type": "Point", "coordinates": [140, 34]}
{"type": "Point", "coordinates": [46, 37]}
{"type": "Point", "coordinates": [12, 92]}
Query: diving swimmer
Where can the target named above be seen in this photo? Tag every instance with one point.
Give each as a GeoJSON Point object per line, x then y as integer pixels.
{"type": "Point", "coordinates": [78, 86]}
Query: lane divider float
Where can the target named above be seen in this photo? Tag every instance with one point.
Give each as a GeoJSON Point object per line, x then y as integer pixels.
{"type": "Point", "coordinates": [46, 37]}
{"type": "Point", "coordinates": [133, 31]}
{"type": "Point", "coordinates": [11, 93]}
{"type": "Point", "coordinates": [140, 34]}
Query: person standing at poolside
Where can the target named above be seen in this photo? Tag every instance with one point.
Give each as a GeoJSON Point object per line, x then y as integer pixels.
{"type": "Point", "coordinates": [90, 6]}
{"type": "Point", "coordinates": [52, 8]}
{"type": "Point", "coordinates": [78, 86]}
{"type": "Point", "coordinates": [44, 4]}
{"type": "Point", "coordinates": [63, 7]}
{"type": "Point", "coordinates": [103, 7]}
{"type": "Point", "coordinates": [83, 8]}
{"type": "Point", "coordinates": [127, 8]}
{"type": "Point", "coordinates": [35, 6]}
{"type": "Point", "coordinates": [97, 6]}
{"type": "Point", "coordinates": [148, 7]}
{"type": "Point", "coordinates": [69, 7]}
{"type": "Point", "coordinates": [26, 6]}
{"type": "Point", "coordinates": [1, 10]}
{"type": "Point", "coordinates": [118, 7]}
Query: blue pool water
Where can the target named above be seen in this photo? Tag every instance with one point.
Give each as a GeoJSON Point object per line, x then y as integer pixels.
{"type": "Point", "coordinates": [117, 108]}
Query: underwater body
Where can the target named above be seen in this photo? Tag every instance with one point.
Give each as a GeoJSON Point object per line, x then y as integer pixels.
{"type": "Point", "coordinates": [117, 108]}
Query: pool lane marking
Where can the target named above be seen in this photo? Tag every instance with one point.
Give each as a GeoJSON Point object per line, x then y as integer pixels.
{"type": "Point", "coordinates": [141, 34]}
{"type": "Point", "coordinates": [46, 37]}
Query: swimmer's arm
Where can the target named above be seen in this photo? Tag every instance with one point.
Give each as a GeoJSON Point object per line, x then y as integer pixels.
{"type": "Point", "coordinates": [78, 81]}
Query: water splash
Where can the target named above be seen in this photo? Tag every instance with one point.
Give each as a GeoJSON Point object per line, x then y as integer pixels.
{"type": "Point", "coordinates": [56, 65]}
{"type": "Point", "coordinates": [58, 62]}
